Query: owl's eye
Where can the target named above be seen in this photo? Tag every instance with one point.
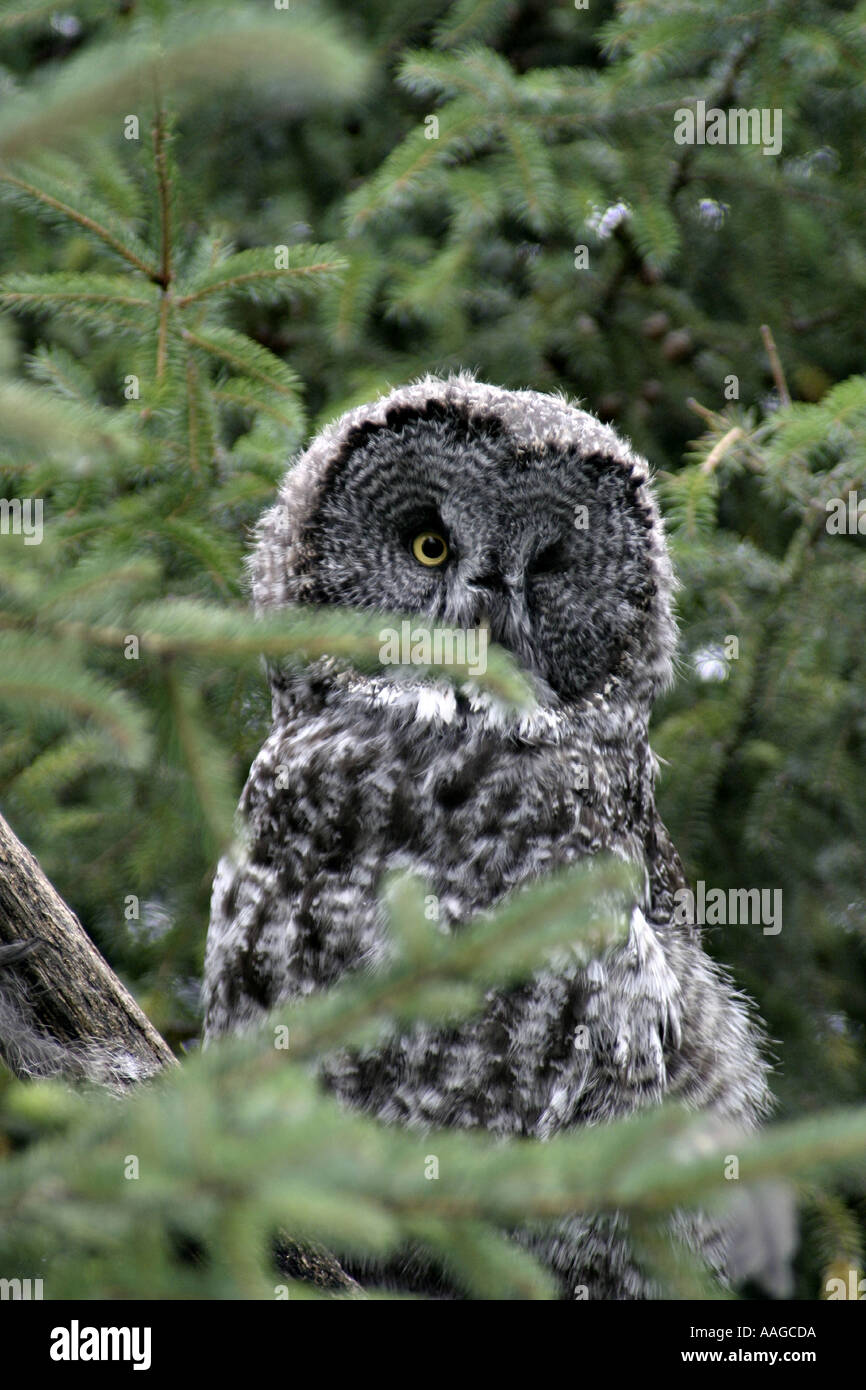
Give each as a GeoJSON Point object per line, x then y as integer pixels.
{"type": "Point", "coordinates": [429, 548]}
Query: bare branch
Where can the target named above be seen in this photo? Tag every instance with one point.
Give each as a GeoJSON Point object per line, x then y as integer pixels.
{"type": "Point", "coordinates": [63, 1011]}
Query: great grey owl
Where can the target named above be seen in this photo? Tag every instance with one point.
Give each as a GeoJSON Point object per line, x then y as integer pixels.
{"type": "Point", "coordinates": [469, 504]}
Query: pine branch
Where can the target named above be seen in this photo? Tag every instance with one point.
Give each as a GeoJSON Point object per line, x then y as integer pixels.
{"type": "Point", "coordinates": [35, 420]}
{"type": "Point", "coordinates": [476, 72]}
{"type": "Point", "coordinates": [35, 673]}
{"type": "Point", "coordinates": [535, 183]}
{"type": "Point", "coordinates": [255, 397]}
{"type": "Point", "coordinates": [81, 295]}
{"type": "Point", "coordinates": [472, 19]}
{"type": "Point", "coordinates": [214, 553]}
{"type": "Point", "coordinates": [68, 377]}
{"type": "Point", "coordinates": [159, 137]}
{"type": "Point", "coordinates": [305, 635]}
{"type": "Point", "coordinates": [90, 224]}
{"type": "Point", "coordinates": [186, 54]}
{"type": "Point", "coordinates": [244, 356]}
{"type": "Point", "coordinates": [205, 760]}
{"type": "Point", "coordinates": [446, 977]}
{"type": "Point", "coordinates": [403, 170]}
{"type": "Point", "coordinates": [255, 269]}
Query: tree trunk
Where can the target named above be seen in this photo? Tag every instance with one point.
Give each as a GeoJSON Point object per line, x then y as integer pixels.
{"type": "Point", "coordinates": [63, 1011]}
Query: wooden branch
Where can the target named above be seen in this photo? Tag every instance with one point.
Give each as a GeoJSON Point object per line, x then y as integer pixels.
{"type": "Point", "coordinates": [775, 364]}
{"type": "Point", "coordinates": [63, 1011]}
{"type": "Point", "coordinates": [719, 449]}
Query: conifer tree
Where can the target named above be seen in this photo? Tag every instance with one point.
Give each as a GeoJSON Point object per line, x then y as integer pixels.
{"type": "Point", "coordinates": [221, 224]}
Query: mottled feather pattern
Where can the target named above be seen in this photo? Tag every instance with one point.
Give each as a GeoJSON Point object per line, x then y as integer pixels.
{"type": "Point", "coordinates": [556, 544]}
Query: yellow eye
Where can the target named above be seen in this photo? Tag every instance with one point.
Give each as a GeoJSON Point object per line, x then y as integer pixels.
{"type": "Point", "coordinates": [429, 548]}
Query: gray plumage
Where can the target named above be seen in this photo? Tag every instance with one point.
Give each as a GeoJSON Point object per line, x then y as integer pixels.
{"type": "Point", "coordinates": [362, 774]}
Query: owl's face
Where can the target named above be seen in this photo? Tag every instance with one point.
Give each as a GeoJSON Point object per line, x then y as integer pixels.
{"type": "Point", "coordinates": [437, 515]}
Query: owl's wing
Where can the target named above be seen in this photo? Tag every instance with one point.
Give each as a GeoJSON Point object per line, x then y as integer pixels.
{"type": "Point", "coordinates": [294, 903]}
{"type": "Point", "coordinates": [665, 873]}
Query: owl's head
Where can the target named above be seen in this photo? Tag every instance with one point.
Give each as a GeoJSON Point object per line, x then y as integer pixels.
{"type": "Point", "coordinates": [468, 504]}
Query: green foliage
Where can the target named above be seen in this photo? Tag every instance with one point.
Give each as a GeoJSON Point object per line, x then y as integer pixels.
{"type": "Point", "coordinates": [179, 53]}
{"type": "Point", "coordinates": [242, 1143]}
{"type": "Point", "coordinates": [159, 365]}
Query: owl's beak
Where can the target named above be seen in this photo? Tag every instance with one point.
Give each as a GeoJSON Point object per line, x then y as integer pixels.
{"type": "Point", "coordinates": [487, 582]}
{"type": "Point", "coordinates": [496, 600]}
{"type": "Point", "coordinates": [487, 578]}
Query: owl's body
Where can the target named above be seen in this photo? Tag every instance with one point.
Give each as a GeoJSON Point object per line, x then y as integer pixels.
{"type": "Point", "coordinates": [546, 530]}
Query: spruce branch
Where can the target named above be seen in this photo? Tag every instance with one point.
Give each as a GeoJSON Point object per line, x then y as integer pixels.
{"type": "Point", "coordinates": [90, 224]}
{"type": "Point", "coordinates": [164, 276]}
{"type": "Point", "coordinates": [445, 977]}
{"type": "Point", "coordinates": [64, 290]}
{"type": "Point", "coordinates": [471, 19]}
{"type": "Point", "coordinates": [243, 355]}
{"type": "Point", "coordinates": [34, 672]}
{"type": "Point", "coordinates": [204, 758]}
{"type": "Point", "coordinates": [402, 172]}
{"type": "Point", "coordinates": [252, 396]}
{"type": "Point", "coordinates": [185, 54]}
{"type": "Point", "coordinates": [255, 269]}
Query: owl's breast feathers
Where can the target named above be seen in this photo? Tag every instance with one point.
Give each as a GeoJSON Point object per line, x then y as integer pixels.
{"type": "Point", "coordinates": [352, 784]}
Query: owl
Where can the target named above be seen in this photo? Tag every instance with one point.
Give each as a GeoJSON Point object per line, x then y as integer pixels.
{"type": "Point", "coordinates": [514, 512]}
